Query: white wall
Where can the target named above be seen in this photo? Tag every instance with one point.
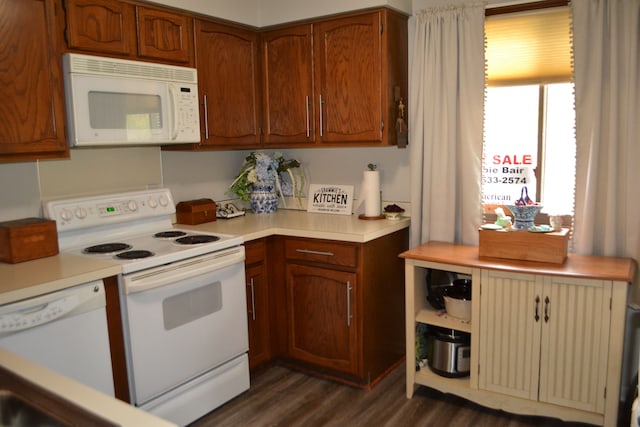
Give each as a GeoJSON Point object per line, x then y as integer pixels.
{"type": "Point", "coordinates": [262, 13]}
{"type": "Point", "coordinates": [209, 174]}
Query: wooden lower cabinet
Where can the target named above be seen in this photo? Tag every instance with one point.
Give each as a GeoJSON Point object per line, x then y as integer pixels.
{"type": "Point", "coordinates": [344, 305]}
{"type": "Point", "coordinates": [323, 328]}
{"type": "Point", "coordinates": [257, 303]}
{"type": "Point", "coordinates": [546, 339]}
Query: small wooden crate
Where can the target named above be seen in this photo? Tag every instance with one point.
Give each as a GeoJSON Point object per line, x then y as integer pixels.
{"type": "Point", "coordinates": [27, 239]}
{"type": "Point", "coordinates": [195, 212]}
{"type": "Point", "coordinates": [525, 245]}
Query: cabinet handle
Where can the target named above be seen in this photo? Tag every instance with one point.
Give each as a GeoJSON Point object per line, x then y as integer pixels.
{"type": "Point", "coordinates": [253, 301]}
{"type": "Point", "coordinates": [320, 102]}
{"type": "Point", "coordinates": [349, 304]}
{"type": "Point", "coordinates": [206, 118]}
{"type": "Point", "coordinates": [306, 102]}
{"type": "Point", "coordinates": [309, 251]}
{"type": "Point", "coordinates": [537, 316]}
{"type": "Point", "coordinates": [546, 309]}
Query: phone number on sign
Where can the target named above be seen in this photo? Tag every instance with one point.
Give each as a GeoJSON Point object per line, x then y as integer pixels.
{"type": "Point", "coordinates": [504, 180]}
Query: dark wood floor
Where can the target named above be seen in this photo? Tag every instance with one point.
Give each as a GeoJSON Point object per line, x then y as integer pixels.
{"type": "Point", "coordinates": [281, 397]}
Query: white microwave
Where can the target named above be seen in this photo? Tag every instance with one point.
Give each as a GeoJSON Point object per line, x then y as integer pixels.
{"type": "Point", "coordinates": [115, 102]}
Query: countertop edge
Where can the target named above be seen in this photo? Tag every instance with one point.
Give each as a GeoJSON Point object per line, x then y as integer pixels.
{"type": "Point", "coordinates": [79, 394]}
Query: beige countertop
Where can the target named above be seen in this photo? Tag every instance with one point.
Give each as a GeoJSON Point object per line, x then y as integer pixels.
{"type": "Point", "coordinates": [41, 276]}
{"type": "Point", "coordinates": [295, 223]}
{"type": "Point", "coordinates": [80, 395]}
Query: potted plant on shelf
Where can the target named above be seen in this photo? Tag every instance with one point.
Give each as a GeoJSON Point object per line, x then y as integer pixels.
{"type": "Point", "coordinates": [264, 176]}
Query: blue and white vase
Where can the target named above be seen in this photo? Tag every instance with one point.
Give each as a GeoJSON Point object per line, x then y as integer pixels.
{"type": "Point", "coordinates": [264, 198]}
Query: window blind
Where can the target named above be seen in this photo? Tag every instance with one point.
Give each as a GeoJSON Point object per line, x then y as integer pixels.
{"type": "Point", "coordinates": [532, 47]}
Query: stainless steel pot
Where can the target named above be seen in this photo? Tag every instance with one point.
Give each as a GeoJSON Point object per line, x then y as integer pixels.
{"type": "Point", "coordinates": [450, 353]}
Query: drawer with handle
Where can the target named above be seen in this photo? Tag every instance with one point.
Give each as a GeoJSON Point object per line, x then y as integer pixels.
{"type": "Point", "coordinates": [322, 251]}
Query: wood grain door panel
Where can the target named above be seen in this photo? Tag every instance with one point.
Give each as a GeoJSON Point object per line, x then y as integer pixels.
{"type": "Point", "coordinates": [164, 35]}
{"type": "Point", "coordinates": [321, 316]}
{"type": "Point", "coordinates": [105, 26]}
{"type": "Point", "coordinates": [289, 106]}
{"type": "Point", "coordinates": [32, 108]}
{"type": "Point", "coordinates": [228, 84]}
{"type": "Point", "coordinates": [349, 79]}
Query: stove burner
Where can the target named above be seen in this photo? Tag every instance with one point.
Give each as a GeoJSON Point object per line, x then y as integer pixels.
{"type": "Point", "coordinates": [196, 239]}
{"type": "Point", "coordinates": [169, 234]}
{"type": "Point", "coordinates": [134, 254]}
{"type": "Point", "coordinates": [106, 248]}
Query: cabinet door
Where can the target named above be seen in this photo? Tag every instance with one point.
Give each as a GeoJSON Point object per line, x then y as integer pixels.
{"type": "Point", "coordinates": [575, 342]}
{"type": "Point", "coordinates": [32, 107]}
{"type": "Point", "coordinates": [165, 35]}
{"type": "Point", "coordinates": [349, 79]}
{"type": "Point", "coordinates": [289, 107]}
{"type": "Point", "coordinates": [321, 316]}
{"type": "Point", "coordinates": [511, 314]}
{"type": "Point", "coordinates": [258, 315]}
{"type": "Point", "coordinates": [103, 26]}
{"type": "Point", "coordinates": [228, 82]}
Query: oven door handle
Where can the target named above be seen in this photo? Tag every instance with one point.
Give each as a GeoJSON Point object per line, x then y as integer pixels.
{"type": "Point", "coordinates": [172, 273]}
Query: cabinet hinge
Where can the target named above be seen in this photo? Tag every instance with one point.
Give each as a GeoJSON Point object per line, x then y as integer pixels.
{"type": "Point", "coordinates": [381, 125]}
{"type": "Point", "coordinates": [610, 303]}
{"type": "Point", "coordinates": [381, 28]}
{"type": "Point", "coordinates": [605, 392]}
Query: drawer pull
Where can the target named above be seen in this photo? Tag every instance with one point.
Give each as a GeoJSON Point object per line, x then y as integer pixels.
{"type": "Point", "coordinates": [546, 309]}
{"type": "Point", "coordinates": [349, 304]}
{"type": "Point", "coordinates": [306, 103]}
{"type": "Point", "coordinates": [253, 300]}
{"type": "Point", "coordinates": [310, 252]}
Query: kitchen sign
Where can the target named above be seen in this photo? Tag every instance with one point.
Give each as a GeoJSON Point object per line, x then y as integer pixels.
{"type": "Point", "coordinates": [332, 199]}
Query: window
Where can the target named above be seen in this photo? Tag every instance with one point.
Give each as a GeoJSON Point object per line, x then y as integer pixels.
{"type": "Point", "coordinates": [529, 111]}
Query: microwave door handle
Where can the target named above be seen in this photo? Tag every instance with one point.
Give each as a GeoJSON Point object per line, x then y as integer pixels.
{"type": "Point", "coordinates": [174, 107]}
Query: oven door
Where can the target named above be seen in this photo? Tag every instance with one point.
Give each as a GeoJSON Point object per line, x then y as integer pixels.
{"type": "Point", "coordinates": [182, 320]}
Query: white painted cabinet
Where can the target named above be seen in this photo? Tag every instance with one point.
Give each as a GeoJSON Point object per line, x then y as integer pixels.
{"type": "Point", "coordinates": [546, 339]}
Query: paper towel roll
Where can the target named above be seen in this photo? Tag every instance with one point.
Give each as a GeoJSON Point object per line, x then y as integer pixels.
{"type": "Point", "coordinates": [371, 193]}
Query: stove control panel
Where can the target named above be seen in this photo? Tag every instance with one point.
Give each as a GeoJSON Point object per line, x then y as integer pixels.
{"type": "Point", "coordinates": [92, 211]}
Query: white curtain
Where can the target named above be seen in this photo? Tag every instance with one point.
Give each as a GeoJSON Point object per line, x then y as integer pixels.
{"type": "Point", "coordinates": [606, 35]}
{"type": "Point", "coordinates": [446, 107]}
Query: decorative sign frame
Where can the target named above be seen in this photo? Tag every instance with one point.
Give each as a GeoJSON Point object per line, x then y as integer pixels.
{"type": "Point", "coordinates": [331, 199]}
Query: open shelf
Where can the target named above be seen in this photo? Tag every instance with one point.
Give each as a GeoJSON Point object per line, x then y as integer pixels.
{"type": "Point", "coordinates": [440, 318]}
{"type": "Point", "coordinates": [426, 377]}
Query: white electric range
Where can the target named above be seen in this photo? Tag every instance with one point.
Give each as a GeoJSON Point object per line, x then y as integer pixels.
{"type": "Point", "coordinates": [182, 297]}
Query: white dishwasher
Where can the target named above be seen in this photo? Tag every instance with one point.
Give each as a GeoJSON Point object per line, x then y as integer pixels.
{"type": "Point", "coordinates": [65, 331]}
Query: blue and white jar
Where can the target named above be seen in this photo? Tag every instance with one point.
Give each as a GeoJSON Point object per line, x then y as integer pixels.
{"type": "Point", "coordinates": [264, 198]}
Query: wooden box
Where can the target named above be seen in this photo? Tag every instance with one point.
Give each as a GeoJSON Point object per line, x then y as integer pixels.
{"type": "Point", "coordinates": [26, 239]}
{"type": "Point", "coordinates": [195, 212]}
{"type": "Point", "coordinates": [525, 245]}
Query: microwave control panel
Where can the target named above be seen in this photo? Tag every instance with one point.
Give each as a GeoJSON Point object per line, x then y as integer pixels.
{"type": "Point", "coordinates": [187, 115]}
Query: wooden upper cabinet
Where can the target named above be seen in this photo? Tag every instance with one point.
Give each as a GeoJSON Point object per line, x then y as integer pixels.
{"type": "Point", "coordinates": [116, 28]}
{"type": "Point", "coordinates": [164, 35]}
{"type": "Point", "coordinates": [32, 108]}
{"type": "Point", "coordinates": [289, 103]}
{"type": "Point", "coordinates": [228, 85]}
{"type": "Point", "coordinates": [101, 26]}
{"type": "Point", "coordinates": [349, 79]}
{"type": "Point", "coordinates": [335, 81]}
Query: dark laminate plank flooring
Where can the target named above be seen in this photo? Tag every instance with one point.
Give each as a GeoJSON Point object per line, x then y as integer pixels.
{"type": "Point", "coordinates": [282, 397]}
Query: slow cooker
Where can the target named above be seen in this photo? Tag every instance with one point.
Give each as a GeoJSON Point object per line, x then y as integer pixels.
{"type": "Point", "coordinates": [450, 352]}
